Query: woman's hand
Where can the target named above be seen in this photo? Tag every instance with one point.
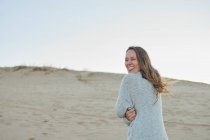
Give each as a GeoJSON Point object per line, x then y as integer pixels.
{"type": "Point", "coordinates": [130, 114]}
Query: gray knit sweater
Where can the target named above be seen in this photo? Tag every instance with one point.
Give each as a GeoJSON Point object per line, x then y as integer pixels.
{"type": "Point", "coordinates": [137, 92]}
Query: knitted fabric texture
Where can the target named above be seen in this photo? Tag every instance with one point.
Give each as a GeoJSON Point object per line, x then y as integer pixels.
{"type": "Point", "coordinates": [139, 93]}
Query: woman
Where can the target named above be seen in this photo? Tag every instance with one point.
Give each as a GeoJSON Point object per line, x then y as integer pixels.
{"type": "Point", "coordinates": [140, 94]}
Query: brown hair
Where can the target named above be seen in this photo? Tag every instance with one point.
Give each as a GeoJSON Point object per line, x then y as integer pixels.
{"type": "Point", "coordinates": [147, 70]}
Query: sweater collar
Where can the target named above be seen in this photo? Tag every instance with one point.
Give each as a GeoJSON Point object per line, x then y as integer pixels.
{"type": "Point", "coordinates": [137, 73]}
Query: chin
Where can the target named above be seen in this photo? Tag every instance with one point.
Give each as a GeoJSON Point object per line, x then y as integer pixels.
{"type": "Point", "coordinates": [132, 71]}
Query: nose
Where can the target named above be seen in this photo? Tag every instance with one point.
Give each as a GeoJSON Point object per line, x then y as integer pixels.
{"type": "Point", "coordinates": [129, 62]}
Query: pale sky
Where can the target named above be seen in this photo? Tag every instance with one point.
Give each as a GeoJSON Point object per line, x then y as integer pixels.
{"type": "Point", "coordinates": [94, 35]}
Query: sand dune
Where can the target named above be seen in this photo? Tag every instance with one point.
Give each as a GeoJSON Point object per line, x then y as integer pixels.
{"type": "Point", "coordinates": [43, 103]}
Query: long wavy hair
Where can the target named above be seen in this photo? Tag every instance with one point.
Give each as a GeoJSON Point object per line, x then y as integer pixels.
{"type": "Point", "coordinates": [148, 71]}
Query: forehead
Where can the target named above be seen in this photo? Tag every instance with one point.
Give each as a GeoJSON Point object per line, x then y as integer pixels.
{"type": "Point", "coordinates": [130, 53]}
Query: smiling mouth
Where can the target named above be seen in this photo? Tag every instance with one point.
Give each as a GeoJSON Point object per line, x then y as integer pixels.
{"type": "Point", "coordinates": [130, 68]}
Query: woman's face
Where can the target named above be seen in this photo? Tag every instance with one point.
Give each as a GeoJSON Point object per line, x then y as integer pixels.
{"type": "Point", "coordinates": [131, 62]}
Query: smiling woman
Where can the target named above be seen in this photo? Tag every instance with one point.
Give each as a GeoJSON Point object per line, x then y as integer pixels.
{"type": "Point", "coordinates": [137, 60]}
{"type": "Point", "coordinates": [139, 102]}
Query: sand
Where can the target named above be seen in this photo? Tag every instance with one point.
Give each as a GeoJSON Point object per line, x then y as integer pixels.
{"type": "Point", "coordinates": [44, 103]}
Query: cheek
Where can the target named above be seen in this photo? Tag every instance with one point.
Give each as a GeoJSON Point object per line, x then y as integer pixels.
{"type": "Point", "coordinates": [125, 64]}
{"type": "Point", "coordinates": [137, 64]}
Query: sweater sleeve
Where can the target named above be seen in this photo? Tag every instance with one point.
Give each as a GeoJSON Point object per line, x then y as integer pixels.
{"type": "Point", "coordinates": [124, 100]}
{"type": "Point", "coordinates": [126, 121]}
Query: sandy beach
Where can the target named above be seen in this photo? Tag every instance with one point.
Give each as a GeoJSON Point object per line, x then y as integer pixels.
{"type": "Point", "coordinates": [45, 103]}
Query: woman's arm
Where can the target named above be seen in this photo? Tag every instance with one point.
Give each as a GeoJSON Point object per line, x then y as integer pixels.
{"type": "Point", "coordinates": [124, 100]}
{"type": "Point", "coordinates": [126, 121]}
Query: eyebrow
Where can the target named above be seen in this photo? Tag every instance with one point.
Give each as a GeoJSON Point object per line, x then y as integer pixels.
{"type": "Point", "coordinates": [130, 57]}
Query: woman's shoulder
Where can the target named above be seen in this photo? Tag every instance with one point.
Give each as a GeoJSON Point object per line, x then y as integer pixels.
{"type": "Point", "coordinates": [132, 77]}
